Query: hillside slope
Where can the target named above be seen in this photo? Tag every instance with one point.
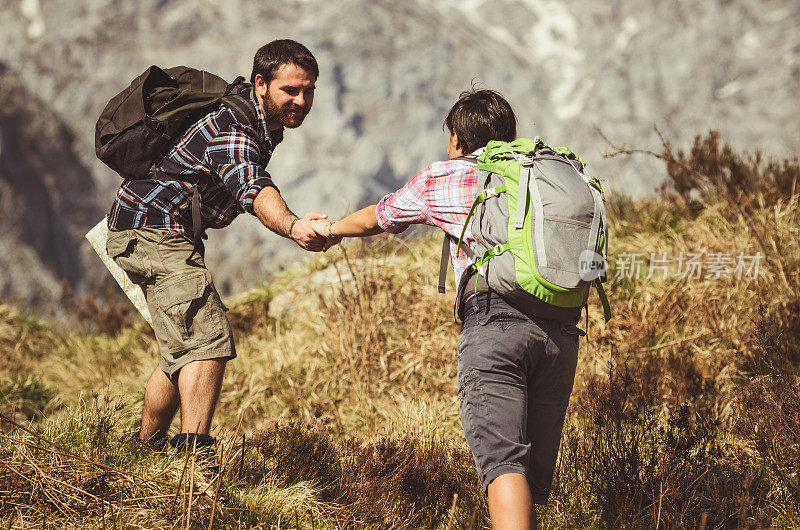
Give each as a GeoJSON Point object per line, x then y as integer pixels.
{"type": "Point", "coordinates": [341, 410]}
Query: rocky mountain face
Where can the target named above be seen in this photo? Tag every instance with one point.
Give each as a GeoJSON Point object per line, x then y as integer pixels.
{"type": "Point", "coordinates": [47, 197]}
{"type": "Point", "coordinates": [389, 72]}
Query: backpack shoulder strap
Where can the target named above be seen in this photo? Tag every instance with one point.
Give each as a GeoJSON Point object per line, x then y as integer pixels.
{"type": "Point", "coordinates": [467, 158]}
{"type": "Point", "coordinates": [446, 258]}
{"type": "Point", "coordinates": [461, 244]}
{"type": "Point", "coordinates": [443, 263]}
{"type": "Point", "coordinates": [241, 105]}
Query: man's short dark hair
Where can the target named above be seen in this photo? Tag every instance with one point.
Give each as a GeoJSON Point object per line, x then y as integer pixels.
{"type": "Point", "coordinates": [271, 56]}
{"type": "Point", "coordinates": [480, 116]}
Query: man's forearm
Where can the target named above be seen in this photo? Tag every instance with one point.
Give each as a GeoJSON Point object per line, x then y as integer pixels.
{"type": "Point", "coordinates": [272, 211]}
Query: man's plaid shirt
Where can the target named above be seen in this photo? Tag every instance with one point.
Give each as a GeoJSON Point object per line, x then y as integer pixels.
{"type": "Point", "coordinates": [230, 160]}
{"type": "Point", "coordinates": [439, 195]}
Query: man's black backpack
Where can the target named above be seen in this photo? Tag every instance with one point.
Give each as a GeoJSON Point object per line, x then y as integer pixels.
{"type": "Point", "coordinates": [141, 123]}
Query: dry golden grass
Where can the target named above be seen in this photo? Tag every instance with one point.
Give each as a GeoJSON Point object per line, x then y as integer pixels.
{"type": "Point", "coordinates": [355, 351]}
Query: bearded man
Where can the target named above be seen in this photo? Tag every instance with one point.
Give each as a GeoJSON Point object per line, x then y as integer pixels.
{"type": "Point", "coordinates": [151, 227]}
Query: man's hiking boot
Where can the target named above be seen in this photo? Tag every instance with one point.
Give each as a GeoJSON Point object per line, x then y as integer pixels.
{"type": "Point", "coordinates": [157, 444]}
{"type": "Point", "coordinates": [206, 455]}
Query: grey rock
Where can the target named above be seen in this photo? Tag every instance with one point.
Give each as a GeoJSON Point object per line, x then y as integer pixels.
{"type": "Point", "coordinates": [47, 198]}
{"type": "Point", "coordinates": [390, 71]}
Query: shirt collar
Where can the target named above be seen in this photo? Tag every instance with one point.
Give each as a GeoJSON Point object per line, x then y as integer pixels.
{"type": "Point", "coordinates": [275, 137]}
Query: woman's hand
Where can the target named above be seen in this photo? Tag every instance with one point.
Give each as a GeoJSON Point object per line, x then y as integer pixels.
{"type": "Point", "coordinates": [323, 228]}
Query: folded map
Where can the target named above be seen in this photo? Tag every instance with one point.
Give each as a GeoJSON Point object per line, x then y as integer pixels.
{"type": "Point", "coordinates": [97, 237]}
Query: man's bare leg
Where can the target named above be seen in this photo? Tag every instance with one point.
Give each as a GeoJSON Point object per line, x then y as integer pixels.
{"type": "Point", "coordinates": [161, 400]}
{"type": "Point", "coordinates": [510, 503]}
{"type": "Point", "coordinates": [199, 383]}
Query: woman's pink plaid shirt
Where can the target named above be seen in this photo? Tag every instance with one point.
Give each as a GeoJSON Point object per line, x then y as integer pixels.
{"type": "Point", "coordinates": [439, 195]}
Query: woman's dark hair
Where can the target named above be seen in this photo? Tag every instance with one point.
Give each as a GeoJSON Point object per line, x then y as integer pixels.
{"type": "Point", "coordinates": [480, 116]}
{"type": "Point", "coordinates": [279, 52]}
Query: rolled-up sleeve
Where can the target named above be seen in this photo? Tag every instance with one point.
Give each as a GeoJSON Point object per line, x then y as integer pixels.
{"type": "Point", "coordinates": [233, 154]}
{"type": "Point", "coordinates": [406, 206]}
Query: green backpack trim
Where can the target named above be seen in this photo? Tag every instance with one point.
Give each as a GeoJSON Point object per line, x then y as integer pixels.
{"type": "Point", "coordinates": [527, 274]}
{"type": "Point", "coordinates": [519, 224]}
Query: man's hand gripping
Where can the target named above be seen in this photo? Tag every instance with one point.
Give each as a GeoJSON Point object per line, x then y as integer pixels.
{"type": "Point", "coordinates": [323, 228]}
{"type": "Point", "coordinates": [303, 233]}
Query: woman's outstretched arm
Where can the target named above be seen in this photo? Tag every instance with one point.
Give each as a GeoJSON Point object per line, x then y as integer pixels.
{"type": "Point", "coordinates": [358, 224]}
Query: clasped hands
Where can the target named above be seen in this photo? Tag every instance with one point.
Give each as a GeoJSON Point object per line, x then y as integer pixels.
{"type": "Point", "coordinates": [312, 232]}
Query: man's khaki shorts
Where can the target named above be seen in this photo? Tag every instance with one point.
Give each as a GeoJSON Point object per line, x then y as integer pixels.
{"type": "Point", "coordinates": [188, 316]}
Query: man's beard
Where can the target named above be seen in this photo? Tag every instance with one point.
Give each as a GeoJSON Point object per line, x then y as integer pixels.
{"type": "Point", "coordinates": [289, 116]}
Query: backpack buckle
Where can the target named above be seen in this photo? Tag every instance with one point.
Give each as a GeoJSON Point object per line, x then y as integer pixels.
{"type": "Point", "coordinates": [523, 160]}
{"type": "Point", "coordinates": [154, 124]}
